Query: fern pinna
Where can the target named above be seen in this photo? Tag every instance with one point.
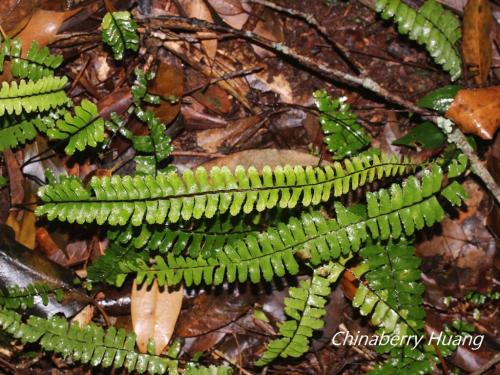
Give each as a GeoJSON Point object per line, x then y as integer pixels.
{"type": "Point", "coordinates": [156, 199]}
{"type": "Point", "coordinates": [432, 26]}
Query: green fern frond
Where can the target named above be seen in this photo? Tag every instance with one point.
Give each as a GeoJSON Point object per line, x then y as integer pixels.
{"type": "Point", "coordinates": [343, 135]}
{"type": "Point", "coordinates": [119, 31]}
{"type": "Point", "coordinates": [140, 88]}
{"type": "Point", "coordinates": [107, 269]}
{"type": "Point", "coordinates": [41, 95]}
{"type": "Point", "coordinates": [16, 131]}
{"type": "Point", "coordinates": [15, 297]}
{"type": "Point", "coordinates": [38, 63]}
{"type": "Point", "coordinates": [157, 199]}
{"type": "Point", "coordinates": [408, 361]}
{"type": "Point", "coordinates": [393, 295]}
{"type": "Point", "coordinates": [3, 182]}
{"type": "Point", "coordinates": [391, 213]}
{"type": "Point", "coordinates": [203, 238]}
{"type": "Point", "coordinates": [306, 308]}
{"type": "Point", "coordinates": [432, 26]}
{"type": "Point", "coordinates": [92, 344]}
{"type": "Point", "coordinates": [83, 129]}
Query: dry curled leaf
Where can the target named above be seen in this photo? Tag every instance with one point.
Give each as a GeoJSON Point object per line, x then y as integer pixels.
{"type": "Point", "coordinates": [198, 9]}
{"type": "Point", "coordinates": [476, 44]}
{"type": "Point", "coordinates": [234, 12]}
{"type": "Point", "coordinates": [154, 314]}
{"type": "Point", "coordinates": [477, 111]}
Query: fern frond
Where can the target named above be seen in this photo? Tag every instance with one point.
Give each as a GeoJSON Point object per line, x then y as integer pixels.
{"type": "Point", "coordinates": [83, 129]}
{"type": "Point", "coordinates": [393, 295]}
{"type": "Point", "coordinates": [204, 238]}
{"type": "Point", "coordinates": [119, 31]}
{"type": "Point", "coordinates": [306, 308]}
{"type": "Point", "coordinates": [405, 360]}
{"type": "Point", "coordinates": [15, 297]}
{"type": "Point", "coordinates": [432, 26]}
{"type": "Point", "coordinates": [92, 344]}
{"type": "Point", "coordinates": [343, 135]}
{"type": "Point", "coordinates": [41, 95]}
{"type": "Point", "coordinates": [16, 131]}
{"type": "Point", "coordinates": [3, 182]}
{"type": "Point", "coordinates": [390, 213]}
{"type": "Point", "coordinates": [157, 199]}
{"type": "Point", "coordinates": [38, 63]}
{"type": "Point", "coordinates": [107, 269]}
{"type": "Point", "coordinates": [140, 88]}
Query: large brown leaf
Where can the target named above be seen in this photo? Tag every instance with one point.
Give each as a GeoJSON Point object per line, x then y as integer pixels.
{"type": "Point", "coordinates": [476, 44]}
{"type": "Point", "coordinates": [168, 82]}
{"type": "Point", "coordinates": [154, 314]}
{"type": "Point", "coordinates": [477, 111]}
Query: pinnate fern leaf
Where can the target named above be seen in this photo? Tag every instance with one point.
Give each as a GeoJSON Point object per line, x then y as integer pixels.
{"type": "Point", "coordinates": [432, 26]}
{"type": "Point", "coordinates": [119, 31]}
{"type": "Point", "coordinates": [393, 295]}
{"type": "Point", "coordinates": [41, 95]}
{"type": "Point", "coordinates": [306, 308]}
{"type": "Point", "coordinates": [18, 130]}
{"type": "Point", "coordinates": [157, 199]}
{"type": "Point", "coordinates": [83, 129]}
{"type": "Point", "coordinates": [15, 297]}
{"type": "Point", "coordinates": [37, 63]}
{"type": "Point", "coordinates": [343, 135]}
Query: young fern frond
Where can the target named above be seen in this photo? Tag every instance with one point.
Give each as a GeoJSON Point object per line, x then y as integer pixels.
{"type": "Point", "coordinates": [393, 295]}
{"type": "Point", "coordinates": [158, 199]}
{"type": "Point", "coordinates": [41, 95]}
{"type": "Point", "coordinates": [343, 135]}
{"type": "Point", "coordinates": [306, 308]}
{"type": "Point", "coordinates": [16, 131]}
{"type": "Point", "coordinates": [83, 129]}
{"type": "Point", "coordinates": [432, 26]}
{"type": "Point", "coordinates": [119, 31]}
{"type": "Point", "coordinates": [16, 298]}
{"type": "Point", "coordinates": [391, 213]}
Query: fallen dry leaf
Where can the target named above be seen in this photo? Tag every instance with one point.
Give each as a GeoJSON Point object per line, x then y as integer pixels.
{"type": "Point", "coordinates": [214, 98]}
{"type": "Point", "coordinates": [15, 177]}
{"type": "Point", "coordinates": [198, 9]}
{"type": "Point", "coordinates": [476, 44]}
{"type": "Point", "coordinates": [233, 12]}
{"type": "Point", "coordinates": [477, 111]}
{"type": "Point", "coordinates": [154, 314]}
{"type": "Point", "coordinates": [269, 27]}
{"type": "Point", "coordinates": [168, 82]}
{"type": "Point", "coordinates": [43, 27]}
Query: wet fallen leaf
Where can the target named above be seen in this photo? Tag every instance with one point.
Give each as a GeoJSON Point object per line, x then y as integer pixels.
{"type": "Point", "coordinates": [154, 314]}
{"type": "Point", "coordinates": [23, 227]}
{"type": "Point", "coordinates": [168, 82]}
{"type": "Point", "coordinates": [43, 27]}
{"type": "Point", "coordinates": [477, 111]}
{"type": "Point", "coordinates": [21, 266]}
{"type": "Point", "coordinates": [15, 178]}
{"type": "Point", "coordinates": [476, 44]}
{"type": "Point", "coordinates": [85, 316]}
{"type": "Point", "coordinates": [214, 98]}
{"type": "Point", "coordinates": [198, 9]}
{"type": "Point", "coordinates": [234, 12]}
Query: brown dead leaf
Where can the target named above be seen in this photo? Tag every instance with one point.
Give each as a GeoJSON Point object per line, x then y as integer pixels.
{"type": "Point", "coordinates": [476, 44]}
{"type": "Point", "coordinates": [169, 81]}
{"type": "Point", "coordinates": [15, 177]}
{"type": "Point", "coordinates": [270, 27]}
{"type": "Point", "coordinates": [23, 224]}
{"type": "Point", "coordinates": [43, 27]}
{"type": "Point", "coordinates": [234, 12]}
{"type": "Point", "coordinates": [154, 314]}
{"type": "Point", "coordinates": [84, 317]}
{"type": "Point", "coordinates": [477, 111]}
{"type": "Point", "coordinates": [214, 98]}
{"type": "Point", "coordinates": [212, 140]}
{"type": "Point", "coordinates": [198, 9]}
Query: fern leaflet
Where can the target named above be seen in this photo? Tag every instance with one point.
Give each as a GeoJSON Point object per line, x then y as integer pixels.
{"type": "Point", "coordinates": [41, 95]}
{"type": "Point", "coordinates": [119, 31]}
{"type": "Point", "coordinates": [343, 135]}
{"type": "Point", "coordinates": [84, 129]}
{"type": "Point", "coordinates": [16, 131]}
{"type": "Point", "coordinates": [432, 26]}
{"type": "Point", "coordinates": [306, 308]}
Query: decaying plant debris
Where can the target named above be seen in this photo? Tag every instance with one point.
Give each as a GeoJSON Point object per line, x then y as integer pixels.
{"type": "Point", "coordinates": [249, 186]}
